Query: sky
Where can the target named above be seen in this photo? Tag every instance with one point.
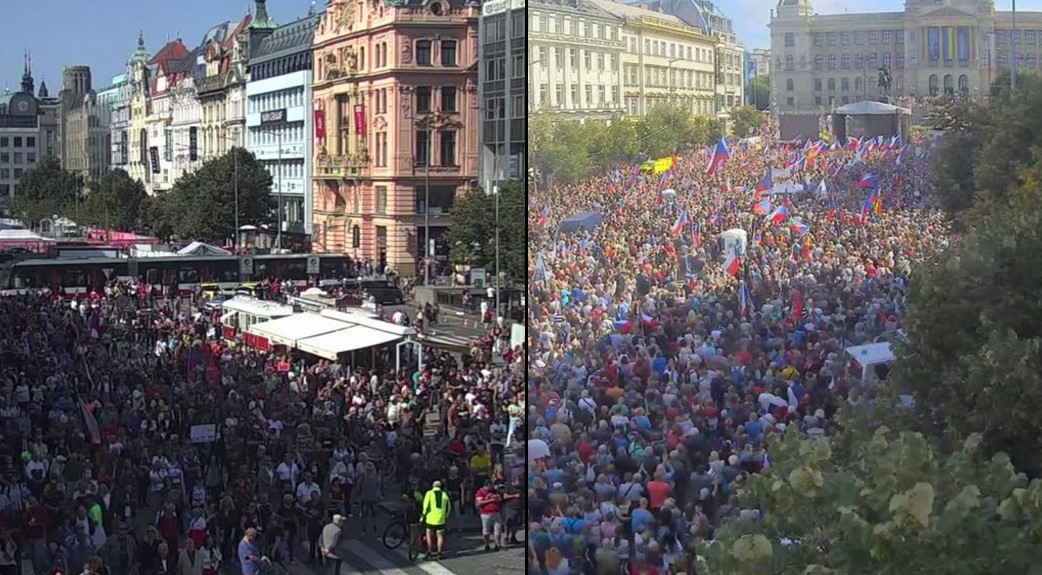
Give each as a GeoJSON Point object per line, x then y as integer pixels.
{"type": "Point", "coordinates": [103, 33]}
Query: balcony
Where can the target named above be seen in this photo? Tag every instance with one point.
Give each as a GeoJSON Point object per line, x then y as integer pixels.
{"type": "Point", "coordinates": [214, 83]}
{"type": "Point", "coordinates": [348, 166]}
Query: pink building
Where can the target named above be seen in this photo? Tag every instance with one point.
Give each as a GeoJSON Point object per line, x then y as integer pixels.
{"type": "Point", "coordinates": [396, 119]}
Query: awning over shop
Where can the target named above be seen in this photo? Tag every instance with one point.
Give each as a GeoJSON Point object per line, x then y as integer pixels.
{"type": "Point", "coordinates": [289, 330]}
{"type": "Point", "coordinates": [331, 345]}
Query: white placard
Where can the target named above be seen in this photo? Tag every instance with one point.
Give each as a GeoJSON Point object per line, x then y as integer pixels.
{"type": "Point", "coordinates": [206, 433]}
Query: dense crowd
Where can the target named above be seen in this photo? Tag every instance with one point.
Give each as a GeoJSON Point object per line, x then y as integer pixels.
{"type": "Point", "coordinates": [138, 442]}
{"type": "Point", "coordinates": [658, 372]}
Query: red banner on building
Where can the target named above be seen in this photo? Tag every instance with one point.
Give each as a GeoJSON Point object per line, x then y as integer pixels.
{"type": "Point", "coordinates": [320, 124]}
{"type": "Point", "coordinates": [360, 119]}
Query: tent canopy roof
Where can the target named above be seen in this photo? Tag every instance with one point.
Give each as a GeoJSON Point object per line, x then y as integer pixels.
{"type": "Point", "coordinates": [870, 108]}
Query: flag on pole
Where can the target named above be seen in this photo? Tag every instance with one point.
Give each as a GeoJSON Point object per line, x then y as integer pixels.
{"type": "Point", "coordinates": [743, 301]}
{"type": "Point", "coordinates": [733, 263]}
{"type": "Point", "coordinates": [778, 215]}
{"type": "Point", "coordinates": [539, 274]}
{"type": "Point", "coordinates": [720, 155]}
{"type": "Point", "coordinates": [797, 306]}
{"type": "Point", "coordinates": [868, 181]}
{"type": "Point", "coordinates": [544, 218]}
{"type": "Point", "coordinates": [678, 226]}
{"type": "Point", "coordinates": [765, 185]}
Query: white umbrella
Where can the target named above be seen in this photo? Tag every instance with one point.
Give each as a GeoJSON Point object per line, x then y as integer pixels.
{"type": "Point", "coordinates": [669, 192]}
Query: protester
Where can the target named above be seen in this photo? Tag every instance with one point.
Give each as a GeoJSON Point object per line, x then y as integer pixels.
{"type": "Point", "coordinates": [660, 365]}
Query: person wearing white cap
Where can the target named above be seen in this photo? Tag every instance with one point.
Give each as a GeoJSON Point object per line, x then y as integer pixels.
{"type": "Point", "coordinates": [329, 544]}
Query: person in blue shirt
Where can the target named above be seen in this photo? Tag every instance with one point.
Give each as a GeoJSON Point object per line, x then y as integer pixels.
{"type": "Point", "coordinates": [249, 553]}
{"type": "Point", "coordinates": [754, 427]}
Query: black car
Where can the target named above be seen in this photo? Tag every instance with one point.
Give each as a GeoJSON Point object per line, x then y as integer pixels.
{"type": "Point", "coordinates": [386, 295]}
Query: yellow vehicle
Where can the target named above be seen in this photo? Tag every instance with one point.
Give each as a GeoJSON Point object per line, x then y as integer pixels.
{"type": "Point", "coordinates": [657, 167]}
{"type": "Point", "coordinates": [255, 289]}
{"type": "Point", "coordinates": [209, 290]}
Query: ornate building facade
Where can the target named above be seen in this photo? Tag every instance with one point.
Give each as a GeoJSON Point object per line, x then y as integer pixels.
{"type": "Point", "coordinates": [396, 117]}
{"type": "Point", "coordinates": [221, 88]}
{"type": "Point", "coordinates": [185, 118]}
{"type": "Point", "coordinates": [137, 125]}
{"type": "Point", "coordinates": [932, 47]}
{"type": "Point", "coordinates": [23, 141]}
{"type": "Point", "coordinates": [165, 70]}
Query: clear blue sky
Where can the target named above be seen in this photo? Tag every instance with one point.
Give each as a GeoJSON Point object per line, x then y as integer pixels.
{"type": "Point", "coordinates": [103, 33]}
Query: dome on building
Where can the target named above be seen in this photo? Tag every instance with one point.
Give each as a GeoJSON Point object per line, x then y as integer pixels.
{"type": "Point", "coordinates": [794, 3]}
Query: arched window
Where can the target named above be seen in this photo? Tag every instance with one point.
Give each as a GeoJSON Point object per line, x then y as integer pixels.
{"type": "Point", "coordinates": [949, 84]}
{"type": "Point", "coordinates": [857, 84]}
{"type": "Point", "coordinates": [964, 86]}
{"type": "Point", "coordinates": [790, 85]}
{"type": "Point", "coordinates": [832, 61]}
{"type": "Point", "coordinates": [934, 86]}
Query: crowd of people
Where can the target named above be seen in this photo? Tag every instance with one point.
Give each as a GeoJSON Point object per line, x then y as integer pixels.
{"type": "Point", "coordinates": [660, 365]}
{"type": "Point", "coordinates": [139, 442]}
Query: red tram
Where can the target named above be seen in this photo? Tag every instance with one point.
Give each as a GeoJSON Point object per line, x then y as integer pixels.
{"type": "Point", "coordinates": [169, 274]}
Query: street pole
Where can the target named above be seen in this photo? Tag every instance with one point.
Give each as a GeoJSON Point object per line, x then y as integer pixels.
{"type": "Point", "coordinates": [427, 206]}
{"type": "Point", "coordinates": [278, 165]}
{"type": "Point", "coordinates": [1013, 41]}
{"type": "Point", "coordinates": [495, 191]}
{"type": "Point", "coordinates": [235, 180]}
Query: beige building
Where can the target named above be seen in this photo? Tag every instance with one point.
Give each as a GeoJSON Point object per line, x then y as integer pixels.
{"type": "Point", "coordinates": [574, 49]}
{"type": "Point", "coordinates": [664, 60]}
{"type": "Point", "coordinates": [932, 47]}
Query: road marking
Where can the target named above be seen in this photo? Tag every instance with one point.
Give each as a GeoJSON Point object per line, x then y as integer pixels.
{"type": "Point", "coordinates": [373, 558]}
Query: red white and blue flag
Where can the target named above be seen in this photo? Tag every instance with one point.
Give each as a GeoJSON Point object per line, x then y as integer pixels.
{"type": "Point", "coordinates": [778, 215]}
{"type": "Point", "coordinates": [743, 301]}
{"type": "Point", "coordinates": [868, 181]}
{"type": "Point", "coordinates": [678, 226]}
{"type": "Point", "coordinates": [720, 155]}
{"type": "Point", "coordinates": [733, 263]}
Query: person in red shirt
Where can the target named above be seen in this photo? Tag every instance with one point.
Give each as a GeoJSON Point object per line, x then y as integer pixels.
{"type": "Point", "coordinates": [490, 507]}
{"type": "Point", "coordinates": [658, 491]}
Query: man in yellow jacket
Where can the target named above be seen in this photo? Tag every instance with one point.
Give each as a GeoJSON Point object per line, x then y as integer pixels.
{"type": "Point", "coordinates": [435, 514]}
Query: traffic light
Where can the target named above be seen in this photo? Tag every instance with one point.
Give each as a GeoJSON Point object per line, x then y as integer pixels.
{"type": "Point", "coordinates": [193, 144]}
{"type": "Point", "coordinates": [153, 154]}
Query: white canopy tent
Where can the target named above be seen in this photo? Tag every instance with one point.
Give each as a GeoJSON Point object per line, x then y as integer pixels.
{"type": "Point", "coordinates": [871, 108]}
{"type": "Point", "coordinates": [291, 329]}
{"type": "Point", "coordinates": [331, 345]}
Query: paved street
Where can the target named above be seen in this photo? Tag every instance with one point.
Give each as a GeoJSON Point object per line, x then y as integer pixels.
{"type": "Point", "coordinates": [369, 556]}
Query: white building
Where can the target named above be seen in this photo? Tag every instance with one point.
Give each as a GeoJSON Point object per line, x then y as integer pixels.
{"type": "Point", "coordinates": [186, 118]}
{"type": "Point", "coordinates": [574, 68]}
{"type": "Point", "coordinates": [759, 63]}
{"type": "Point", "coordinates": [279, 117]}
{"type": "Point", "coordinates": [665, 60]}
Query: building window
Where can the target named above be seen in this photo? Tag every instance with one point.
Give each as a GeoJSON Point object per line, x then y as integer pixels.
{"type": "Point", "coordinates": [448, 99]}
{"type": "Point", "coordinates": [833, 38]}
{"type": "Point", "coordinates": [17, 141]}
{"type": "Point", "coordinates": [817, 84]}
{"type": "Point", "coordinates": [844, 84]}
{"type": "Point", "coordinates": [819, 39]}
{"type": "Point", "coordinates": [790, 40]}
{"type": "Point", "coordinates": [423, 53]}
{"type": "Point", "coordinates": [790, 62]}
{"type": "Point", "coordinates": [832, 84]}
{"type": "Point", "coordinates": [448, 148]}
{"type": "Point", "coordinates": [423, 145]}
{"type": "Point", "coordinates": [4, 142]}
{"type": "Point", "coordinates": [30, 158]}
{"type": "Point", "coordinates": [819, 62]}
{"type": "Point", "coordinates": [448, 53]}
{"type": "Point", "coordinates": [30, 142]}
{"type": "Point", "coordinates": [790, 85]}
{"type": "Point", "coordinates": [381, 199]}
{"type": "Point", "coordinates": [873, 38]}
{"type": "Point", "coordinates": [423, 99]}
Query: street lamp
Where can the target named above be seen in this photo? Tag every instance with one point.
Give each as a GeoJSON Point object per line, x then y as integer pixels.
{"type": "Point", "coordinates": [428, 122]}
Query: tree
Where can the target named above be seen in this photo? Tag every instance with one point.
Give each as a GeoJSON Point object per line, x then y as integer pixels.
{"type": "Point", "coordinates": [705, 131]}
{"type": "Point", "coordinates": [665, 130]}
{"type": "Point", "coordinates": [202, 204]}
{"type": "Point", "coordinates": [747, 121]}
{"type": "Point", "coordinates": [473, 232]}
{"type": "Point", "coordinates": [760, 86]}
{"type": "Point", "coordinates": [975, 321]}
{"type": "Point", "coordinates": [870, 503]}
{"type": "Point", "coordinates": [44, 191]}
{"type": "Point", "coordinates": [116, 201]}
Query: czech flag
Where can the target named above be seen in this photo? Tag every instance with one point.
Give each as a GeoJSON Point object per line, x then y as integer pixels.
{"type": "Point", "coordinates": [623, 327]}
{"type": "Point", "coordinates": [762, 208]}
{"type": "Point", "coordinates": [799, 228]}
{"type": "Point", "coordinates": [678, 226]}
{"type": "Point", "coordinates": [766, 184]}
{"type": "Point", "coordinates": [733, 263]}
{"type": "Point", "coordinates": [696, 236]}
{"type": "Point", "coordinates": [648, 321]}
{"type": "Point", "coordinates": [720, 155]}
{"type": "Point", "coordinates": [778, 215]}
{"type": "Point", "coordinates": [544, 218]}
{"type": "Point", "coordinates": [743, 301]}
{"type": "Point", "coordinates": [868, 181]}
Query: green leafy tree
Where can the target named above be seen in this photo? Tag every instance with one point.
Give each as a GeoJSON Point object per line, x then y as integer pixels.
{"type": "Point", "coordinates": [704, 131]}
{"type": "Point", "coordinates": [760, 89]}
{"type": "Point", "coordinates": [665, 130]}
{"type": "Point", "coordinates": [44, 191]}
{"type": "Point", "coordinates": [747, 121]}
{"type": "Point", "coordinates": [203, 203]}
{"type": "Point", "coordinates": [472, 237]}
{"type": "Point", "coordinates": [975, 324]}
{"type": "Point", "coordinates": [871, 503]}
{"type": "Point", "coordinates": [568, 153]}
{"type": "Point", "coordinates": [116, 201]}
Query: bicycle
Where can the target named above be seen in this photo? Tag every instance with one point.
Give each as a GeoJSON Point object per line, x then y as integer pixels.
{"type": "Point", "coordinates": [400, 531]}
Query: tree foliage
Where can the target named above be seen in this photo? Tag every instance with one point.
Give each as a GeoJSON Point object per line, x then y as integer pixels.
{"type": "Point", "coordinates": [987, 146]}
{"type": "Point", "coordinates": [747, 121]}
{"type": "Point", "coordinates": [116, 201]}
{"type": "Point", "coordinates": [472, 236]}
{"type": "Point", "coordinates": [44, 191]}
{"type": "Point", "coordinates": [874, 503]}
{"type": "Point", "coordinates": [202, 204]}
{"type": "Point", "coordinates": [760, 87]}
{"type": "Point", "coordinates": [571, 150]}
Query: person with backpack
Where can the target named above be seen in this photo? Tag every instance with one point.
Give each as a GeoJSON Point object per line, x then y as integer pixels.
{"type": "Point", "coordinates": [435, 513]}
